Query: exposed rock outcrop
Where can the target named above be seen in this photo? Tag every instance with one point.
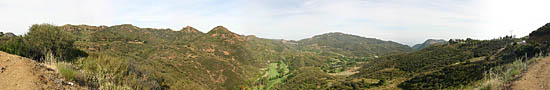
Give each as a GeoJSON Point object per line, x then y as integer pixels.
{"type": "Point", "coordinates": [223, 33]}
{"type": "Point", "coordinates": [189, 29]}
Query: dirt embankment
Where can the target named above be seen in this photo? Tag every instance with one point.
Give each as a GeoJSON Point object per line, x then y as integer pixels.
{"type": "Point", "coordinates": [537, 77]}
{"type": "Point", "coordinates": [19, 73]}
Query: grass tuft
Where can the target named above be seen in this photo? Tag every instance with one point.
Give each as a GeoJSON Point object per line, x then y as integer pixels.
{"type": "Point", "coordinates": [498, 76]}
{"type": "Point", "coordinates": [66, 71]}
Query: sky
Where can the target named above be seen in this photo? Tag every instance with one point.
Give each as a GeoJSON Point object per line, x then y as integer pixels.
{"type": "Point", "coordinates": [404, 21]}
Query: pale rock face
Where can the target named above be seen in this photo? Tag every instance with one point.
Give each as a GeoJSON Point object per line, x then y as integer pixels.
{"type": "Point", "coordinates": [189, 29]}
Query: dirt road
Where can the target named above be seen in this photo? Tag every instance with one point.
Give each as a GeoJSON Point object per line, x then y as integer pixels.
{"type": "Point", "coordinates": [349, 72]}
{"type": "Point", "coordinates": [537, 77]}
{"type": "Point", "coordinates": [19, 73]}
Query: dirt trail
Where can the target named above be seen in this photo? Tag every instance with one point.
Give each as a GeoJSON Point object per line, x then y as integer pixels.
{"type": "Point", "coordinates": [19, 73]}
{"type": "Point", "coordinates": [492, 57]}
{"type": "Point", "coordinates": [537, 77]}
{"type": "Point", "coordinates": [349, 72]}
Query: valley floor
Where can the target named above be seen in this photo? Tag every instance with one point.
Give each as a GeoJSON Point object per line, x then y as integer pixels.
{"type": "Point", "coordinates": [537, 77]}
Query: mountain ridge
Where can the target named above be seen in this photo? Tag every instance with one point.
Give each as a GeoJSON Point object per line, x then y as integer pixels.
{"type": "Point", "coordinates": [428, 43]}
{"type": "Point", "coordinates": [219, 30]}
{"type": "Point", "coordinates": [360, 46]}
{"type": "Point", "coordinates": [149, 58]}
{"type": "Point", "coordinates": [541, 35]}
{"type": "Point", "coordinates": [221, 54]}
{"type": "Point", "coordinates": [189, 29]}
{"type": "Point", "coordinates": [216, 31]}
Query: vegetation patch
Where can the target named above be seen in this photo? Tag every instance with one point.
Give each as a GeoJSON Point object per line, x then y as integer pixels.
{"type": "Point", "coordinates": [129, 57]}
{"type": "Point", "coordinates": [67, 71]}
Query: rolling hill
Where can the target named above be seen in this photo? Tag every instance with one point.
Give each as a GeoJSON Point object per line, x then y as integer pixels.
{"type": "Point", "coordinates": [352, 45]}
{"type": "Point", "coordinates": [129, 57]}
{"type": "Point", "coordinates": [428, 43]}
{"type": "Point", "coordinates": [218, 59]}
{"type": "Point", "coordinates": [541, 35]}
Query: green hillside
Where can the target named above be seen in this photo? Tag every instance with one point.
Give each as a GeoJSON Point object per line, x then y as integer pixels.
{"type": "Point", "coordinates": [148, 58]}
{"type": "Point", "coordinates": [129, 57]}
{"type": "Point", "coordinates": [541, 35]}
{"type": "Point", "coordinates": [428, 43]}
{"type": "Point", "coordinates": [458, 65]}
{"type": "Point", "coordinates": [352, 45]}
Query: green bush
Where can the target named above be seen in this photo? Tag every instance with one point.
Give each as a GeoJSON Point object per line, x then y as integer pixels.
{"type": "Point", "coordinates": [41, 39]}
{"type": "Point", "coordinates": [66, 71]}
{"type": "Point", "coordinates": [104, 71]}
{"type": "Point", "coordinates": [45, 38]}
{"type": "Point", "coordinates": [16, 46]}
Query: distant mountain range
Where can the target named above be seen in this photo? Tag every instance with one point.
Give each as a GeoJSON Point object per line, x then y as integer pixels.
{"type": "Point", "coordinates": [129, 57]}
{"type": "Point", "coordinates": [221, 59]}
{"type": "Point", "coordinates": [355, 45]}
{"type": "Point", "coordinates": [7, 34]}
{"type": "Point", "coordinates": [429, 42]}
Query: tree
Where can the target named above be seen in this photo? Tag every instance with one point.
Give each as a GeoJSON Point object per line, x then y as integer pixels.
{"type": "Point", "coordinates": [469, 39]}
{"type": "Point", "coordinates": [9, 35]}
{"type": "Point", "coordinates": [47, 38]}
{"type": "Point", "coordinates": [451, 41]}
{"type": "Point", "coordinates": [15, 46]}
{"type": "Point", "coordinates": [381, 82]}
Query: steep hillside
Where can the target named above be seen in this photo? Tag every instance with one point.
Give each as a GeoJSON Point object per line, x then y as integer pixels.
{"type": "Point", "coordinates": [352, 45]}
{"type": "Point", "coordinates": [219, 59]}
{"type": "Point", "coordinates": [450, 66]}
{"type": "Point", "coordinates": [172, 59]}
{"type": "Point", "coordinates": [541, 38]}
{"type": "Point", "coordinates": [428, 43]}
{"type": "Point", "coordinates": [541, 35]}
{"type": "Point", "coordinates": [130, 57]}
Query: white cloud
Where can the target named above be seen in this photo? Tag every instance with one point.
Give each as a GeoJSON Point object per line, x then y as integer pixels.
{"type": "Point", "coordinates": [407, 22]}
{"type": "Point", "coordinates": [18, 15]}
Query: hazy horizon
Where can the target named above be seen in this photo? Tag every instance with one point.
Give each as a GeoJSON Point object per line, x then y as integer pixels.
{"type": "Point", "coordinates": [403, 21]}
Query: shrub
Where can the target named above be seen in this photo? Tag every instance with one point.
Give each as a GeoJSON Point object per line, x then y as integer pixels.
{"type": "Point", "coordinates": [66, 71]}
{"type": "Point", "coordinates": [104, 71]}
{"type": "Point", "coordinates": [45, 38]}
{"type": "Point", "coordinates": [16, 46]}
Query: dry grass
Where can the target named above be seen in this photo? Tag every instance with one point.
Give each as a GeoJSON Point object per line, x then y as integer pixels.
{"type": "Point", "coordinates": [497, 77]}
{"type": "Point", "coordinates": [50, 61]}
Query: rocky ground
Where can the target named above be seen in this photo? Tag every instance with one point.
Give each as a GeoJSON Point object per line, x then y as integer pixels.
{"type": "Point", "coordinates": [19, 73]}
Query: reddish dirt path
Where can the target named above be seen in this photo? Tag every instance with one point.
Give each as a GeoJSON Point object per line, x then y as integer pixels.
{"type": "Point", "coordinates": [537, 77]}
{"type": "Point", "coordinates": [18, 73]}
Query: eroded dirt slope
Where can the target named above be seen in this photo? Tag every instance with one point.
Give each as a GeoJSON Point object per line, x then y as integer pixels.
{"type": "Point", "coordinates": [537, 77]}
{"type": "Point", "coordinates": [19, 73]}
